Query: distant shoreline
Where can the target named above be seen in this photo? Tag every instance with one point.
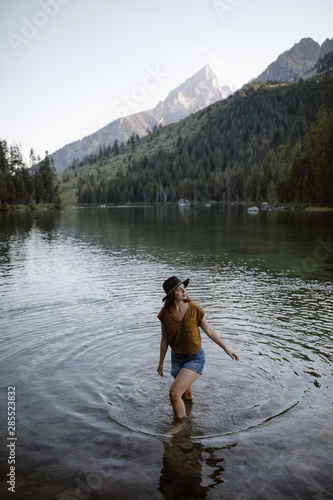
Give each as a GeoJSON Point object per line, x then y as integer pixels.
{"type": "Point", "coordinates": [28, 208]}
{"type": "Point", "coordinates": [265, 208]}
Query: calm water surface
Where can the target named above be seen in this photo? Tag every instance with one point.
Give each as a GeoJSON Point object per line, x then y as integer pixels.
{"type": "Point", "coordinates": [79, 295]}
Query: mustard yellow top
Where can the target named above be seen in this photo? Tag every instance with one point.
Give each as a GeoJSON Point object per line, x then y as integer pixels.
{"type": "Point", "coordinates": [184, 335]}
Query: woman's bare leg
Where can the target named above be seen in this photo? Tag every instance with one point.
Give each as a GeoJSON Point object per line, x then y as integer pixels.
{"type": "Point", "coordinates": [188, 394]}
{"type": "Point", "coordinates": [181, 385]}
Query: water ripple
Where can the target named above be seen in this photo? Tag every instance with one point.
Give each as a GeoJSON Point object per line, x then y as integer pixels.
{"type": "Point", "coordinates": [83, 331]}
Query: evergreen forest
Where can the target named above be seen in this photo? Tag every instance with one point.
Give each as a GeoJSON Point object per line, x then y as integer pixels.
{"type": "Point", "coordinates": [266, 142]}
{"type": "Point", "coordinates": [22, 186]}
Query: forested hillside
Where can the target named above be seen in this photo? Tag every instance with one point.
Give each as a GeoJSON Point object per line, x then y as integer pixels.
{"type": "Point", "coordinates": [266, 142]}
{"type": "Point", "coordinates": [308, 175]}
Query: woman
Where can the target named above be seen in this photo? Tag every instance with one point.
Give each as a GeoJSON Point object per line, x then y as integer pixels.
{"type": "Point", "coordinates": [180, 320]}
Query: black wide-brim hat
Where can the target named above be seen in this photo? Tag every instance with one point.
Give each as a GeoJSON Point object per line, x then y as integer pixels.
{"type": "Point", "coordinates": [172, 283]}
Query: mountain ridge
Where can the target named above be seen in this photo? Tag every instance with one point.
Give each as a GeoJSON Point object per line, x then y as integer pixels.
{"type": "Point", "coordinates": [240, 148]}
{"type": "Point", "coordinates": [297, 62]}
{"type": "Point", "coordinates": [196, 93]}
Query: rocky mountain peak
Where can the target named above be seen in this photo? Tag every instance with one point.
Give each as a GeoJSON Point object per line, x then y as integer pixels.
{"type": "Point", "coordinates": [305, 52]}
{"type": "Point", "coordinates": [296, 62]}
{"type": "Point", "coordinates": [326, 47]}
{"type": "Point", "coordinates": [204, 75]}
{"type": "Point", "coordinates": [197, 92]}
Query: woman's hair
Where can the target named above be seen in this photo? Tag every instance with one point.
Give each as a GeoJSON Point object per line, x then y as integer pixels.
{"type": "Point", "coordinates": [171, 298]}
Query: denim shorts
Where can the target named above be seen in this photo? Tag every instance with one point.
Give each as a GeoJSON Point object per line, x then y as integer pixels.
{"type": "Point", "coordinates": [194, 362]}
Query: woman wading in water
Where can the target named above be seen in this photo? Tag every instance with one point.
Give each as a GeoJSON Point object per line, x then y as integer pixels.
{"type": "Point", "coordinates": [180, 321]}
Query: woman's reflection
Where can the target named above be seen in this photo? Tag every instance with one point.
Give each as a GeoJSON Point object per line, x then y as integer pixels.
{"type": "Point", "coordinates": [190, 470]}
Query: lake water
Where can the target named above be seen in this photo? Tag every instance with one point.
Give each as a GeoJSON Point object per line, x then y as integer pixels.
{"type": "Point", "coordinates": [80, 291]}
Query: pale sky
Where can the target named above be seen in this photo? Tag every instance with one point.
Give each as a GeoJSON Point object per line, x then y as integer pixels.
{"type": "Point", "coordinates": [69, 67]}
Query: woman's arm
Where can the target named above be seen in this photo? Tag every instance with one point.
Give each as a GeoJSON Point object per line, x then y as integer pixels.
{"type": "Point", "coordinates": [213, 335]}
{"type": "Point", "coordinates": [163, 349]}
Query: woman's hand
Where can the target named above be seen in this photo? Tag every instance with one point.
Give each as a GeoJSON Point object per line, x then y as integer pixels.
{"type": "Point", "coordinates": [232, 354]}
{"type": "Point", "coordinates": [160, 370]}
{"type": "Point", "coordinates": [213, 335]}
